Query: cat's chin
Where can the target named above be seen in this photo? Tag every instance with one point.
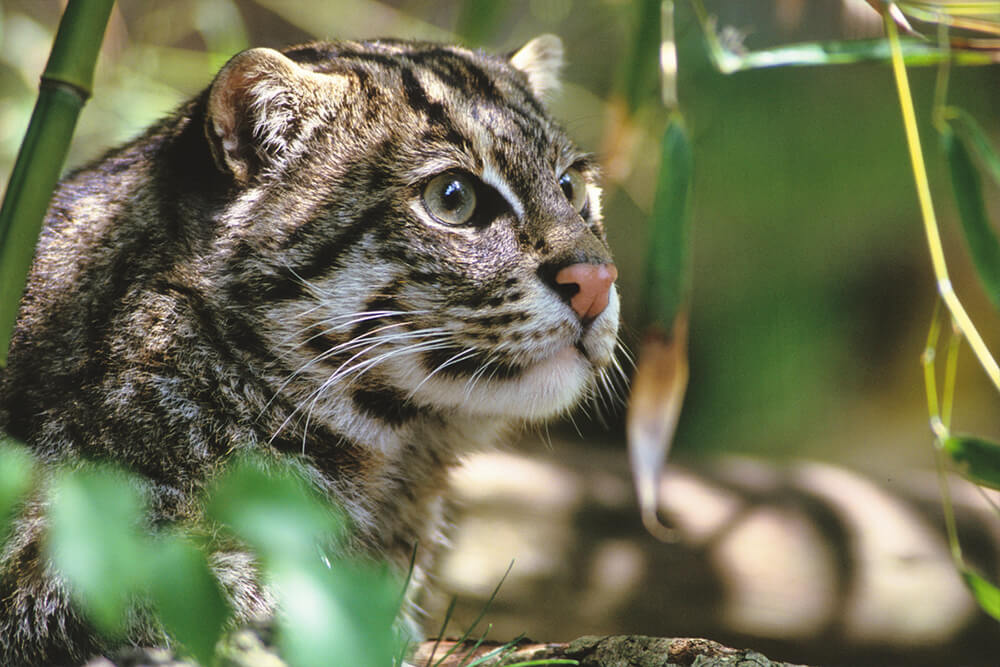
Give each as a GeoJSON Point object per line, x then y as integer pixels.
{"type": "Point", "coordinates": [544, 390]}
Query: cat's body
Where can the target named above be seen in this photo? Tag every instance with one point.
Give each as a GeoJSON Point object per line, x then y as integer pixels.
{"type": "Point", "coordinates": [291, 264]}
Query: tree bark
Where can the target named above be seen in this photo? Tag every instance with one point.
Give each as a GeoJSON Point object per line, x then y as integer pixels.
{"type": "Point", "coordinates": [612, 651]}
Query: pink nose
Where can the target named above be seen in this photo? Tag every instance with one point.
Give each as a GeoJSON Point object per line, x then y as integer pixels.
{"type": "Point", "coordinates": [594, 281]}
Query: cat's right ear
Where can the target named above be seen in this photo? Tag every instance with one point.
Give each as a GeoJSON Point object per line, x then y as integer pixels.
{"type": "Point", "coordinates": [540, 60]}
{"type": "Point", "coordinates": [253, 111]}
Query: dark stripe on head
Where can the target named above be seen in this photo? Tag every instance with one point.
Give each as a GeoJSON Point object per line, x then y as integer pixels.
{"type": "Point", "coordinates": [416, 97]}
{"type": "Point", "coordinates": [458, 72]}
{"type": "Point", "coordinates": [324, 253]}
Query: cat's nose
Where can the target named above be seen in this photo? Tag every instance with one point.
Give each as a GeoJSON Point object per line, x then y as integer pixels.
{"type": "Point", "coordinates": [593, 282]}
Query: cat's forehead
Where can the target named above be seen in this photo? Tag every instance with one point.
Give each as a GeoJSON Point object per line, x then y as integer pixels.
{"type": "Point", "coordinates": [472, 99]}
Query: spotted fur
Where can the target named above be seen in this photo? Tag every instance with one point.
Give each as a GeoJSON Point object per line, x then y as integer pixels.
{"type": "Point", "coordinates": [260, 272]}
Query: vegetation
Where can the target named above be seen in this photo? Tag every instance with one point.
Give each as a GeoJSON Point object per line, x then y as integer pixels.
{"type": "Point", "coordinates": [272, 510]}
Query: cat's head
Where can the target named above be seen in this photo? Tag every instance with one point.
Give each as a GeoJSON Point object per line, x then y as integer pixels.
{"type": "Point", "coordinates": [411, 228]}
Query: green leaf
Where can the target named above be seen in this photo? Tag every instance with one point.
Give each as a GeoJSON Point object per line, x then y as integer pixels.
{"type": "Point", "coordinates": [966, 126]}
{"type": "Point", "coordinates": [95, 543]}
{"type": "Point", "coordinates": [15, 480]}
{"type": "Point", "coordinates": [641, 66]}
{"type": "Point", "coordinates": [977, 459]}
{"type": "Point", "coordinates": [986, 594]}
{"type": "Point", "coordinates": [187, 597]}
{"type": "Point", "coordinates": [273, 511]}
{"type": "Point", "coordinates": [979, 234]}
{"type": "Point", "coordinates": [667, 280]}
{"type": "Point", "coordinates": [338, 615]}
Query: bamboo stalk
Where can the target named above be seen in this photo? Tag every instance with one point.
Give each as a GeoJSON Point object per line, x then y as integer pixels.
{"type": "Point", "coordinates": [65, 86]}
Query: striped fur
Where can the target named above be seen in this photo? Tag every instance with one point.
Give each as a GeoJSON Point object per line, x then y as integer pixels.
{"type": "Point", "coordinates": [259, 272]}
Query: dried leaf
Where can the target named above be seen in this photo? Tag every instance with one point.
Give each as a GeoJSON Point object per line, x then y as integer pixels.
{"type": "Point", "coordinates": [657, 396]}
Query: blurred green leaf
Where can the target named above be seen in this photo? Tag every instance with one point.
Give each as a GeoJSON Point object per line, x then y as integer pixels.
{"type": "Point", "coordinates": [667, 262]}
{"type": "Point", "coordinates": [979, 234]}
{"type": "Point", "coordinates": [986, 594]}
{"type": "Point", "coordinates": [187, 596]}
{"type": "Point", "coordinates": [640, 69]}
{"type": "Point", "coordinates": [846, 52]}
{"type": "Point", "coordinates": [94, 542]}
{"type": "Point", "coordinates": [15, 480]}
{"type": "Point", "coordinates": [966, 126]}
{"type": "Point", "coordinates": [976, 458]}
{"type": "Point", "coordinates": [274, 511]}
{"type": "Point", "coordinates": [338, 615]}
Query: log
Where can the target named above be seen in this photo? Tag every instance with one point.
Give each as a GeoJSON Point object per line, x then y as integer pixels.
{"type": "Point", "coordinates": [610, 651]}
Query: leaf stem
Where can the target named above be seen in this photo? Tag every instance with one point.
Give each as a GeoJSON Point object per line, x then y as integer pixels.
{"type": "Point", "coordinates": [944, 286]}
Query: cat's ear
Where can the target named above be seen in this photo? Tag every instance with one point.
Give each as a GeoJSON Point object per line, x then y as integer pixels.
{"type": "Point", "coordinates": [540, 60]}
{"type": "Point", "coordinates": [254, 108]}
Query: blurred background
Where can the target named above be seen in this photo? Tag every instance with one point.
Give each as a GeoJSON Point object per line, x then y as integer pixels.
{"type": "Point", "coordinates": [802, 476]}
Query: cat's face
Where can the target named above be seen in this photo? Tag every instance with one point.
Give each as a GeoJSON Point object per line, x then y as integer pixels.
{"type": "Point", "coordinates": [407, 217]}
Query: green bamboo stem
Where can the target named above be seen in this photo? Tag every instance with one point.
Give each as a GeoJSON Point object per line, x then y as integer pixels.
{"type": "Point", "coordinates": [65, 86]}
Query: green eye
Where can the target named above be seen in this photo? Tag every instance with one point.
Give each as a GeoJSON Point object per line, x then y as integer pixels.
{"type": "Point", "coordinates": [451, 198]}
{"type": "Point", "coordinates": [574, 187]}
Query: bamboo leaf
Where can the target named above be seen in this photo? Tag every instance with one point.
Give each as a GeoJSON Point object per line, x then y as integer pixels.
{"type": "Point", "coordinates": [986, 594]}
{"type": "Point", "coordinates": [976, 458]}
{"type": "Point", "coordinates": [641, 66]}
{"type": "Point", "coordinates": [654, 407]}
{"type": "Point", "coordinates": [662, 371]}
{"type": "Point", "coordinates": [966, 126]}
{"type": "Point", "coordinates": [847, 52]}
{"type": "Point", "coordinates": [667, 280]}
{"type": "Point", "coordinates": [979, 234]}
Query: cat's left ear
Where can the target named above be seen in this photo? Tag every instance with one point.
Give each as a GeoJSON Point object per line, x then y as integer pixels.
{"type": "Point", "coordinates": [540, 60]}
{"type": "Point", "coordinates": [257, 107]}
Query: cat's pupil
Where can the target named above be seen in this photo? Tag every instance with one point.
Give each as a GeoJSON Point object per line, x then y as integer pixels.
{"type": "Point", "coordinates": [566, 183]}
{"type": "Point", "coordinates": [454, 196]}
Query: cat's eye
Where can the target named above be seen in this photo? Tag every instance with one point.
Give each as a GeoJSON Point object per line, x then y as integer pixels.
{"type": "Point", "coordinates": [451, 198]}
{"type": "Point", "coordinates": [574, 187]}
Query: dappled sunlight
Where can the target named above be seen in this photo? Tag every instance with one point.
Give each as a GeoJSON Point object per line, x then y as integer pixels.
{"type": "Point", "coordinates": [807, 553]}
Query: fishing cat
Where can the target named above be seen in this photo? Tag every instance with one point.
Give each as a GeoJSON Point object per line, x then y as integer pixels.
{"type": "Point", "coordinates": [370, 256]}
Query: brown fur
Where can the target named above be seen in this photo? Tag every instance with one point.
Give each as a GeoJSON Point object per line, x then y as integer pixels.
{"type": "Point", "coordinates": [260, 272]}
